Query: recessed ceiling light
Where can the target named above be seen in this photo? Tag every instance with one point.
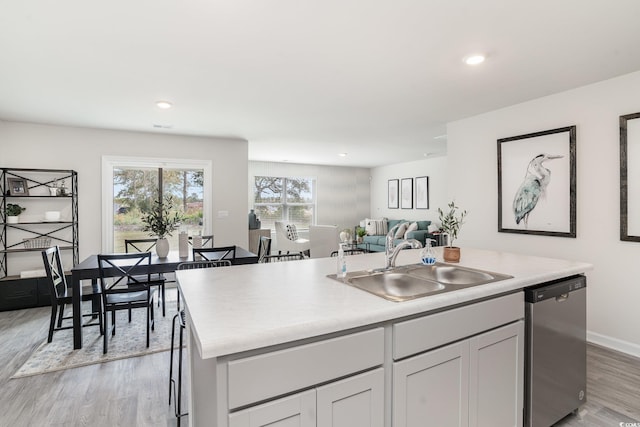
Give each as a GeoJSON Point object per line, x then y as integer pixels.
{"type": "Point", "coordinates": [342, 154]}
{"type": "Point", "coordinates": [474, 59]}
{"type": "Point", "coordinates": [164, 104]}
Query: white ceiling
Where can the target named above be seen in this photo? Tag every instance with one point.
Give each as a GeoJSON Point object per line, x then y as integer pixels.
{"type": "Point", "coordinates": [303, 80]}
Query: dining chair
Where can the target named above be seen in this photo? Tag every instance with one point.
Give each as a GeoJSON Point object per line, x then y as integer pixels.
{"type": "Point", "coordinates": [207, 241]}
{"type": "Point", "coordinates": [214, 254]}
{"type": "Point", "coordinates": [282, 257]}
{"type": "Point", "coordinates": [125, 288]}
{"type": "Point", "coordinates": [62, 295]}
{"type": "Point", "coordinates": [354, 251]}
{"type": "Point", "coordinates": [264, 247]}
{"type": "Point", "coordinates": [147, 245]}
{"type": "Point", "coordinates": [180, 317]}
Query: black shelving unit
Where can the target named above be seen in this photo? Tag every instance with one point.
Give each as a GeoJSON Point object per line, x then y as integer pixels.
{"type": "Point", "coordinates": [16, 292]}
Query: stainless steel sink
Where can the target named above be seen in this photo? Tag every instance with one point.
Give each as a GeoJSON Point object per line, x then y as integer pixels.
{"type": "Point", "coordinates": [395, 286]}
{"type": "Point", "coordinates": [417, 280]}
{"type": "Point", "coordinates": [454, 275]}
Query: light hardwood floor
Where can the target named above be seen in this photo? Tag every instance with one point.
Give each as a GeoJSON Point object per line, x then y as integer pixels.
{"type": "Point", "coordinates": [134, 392]}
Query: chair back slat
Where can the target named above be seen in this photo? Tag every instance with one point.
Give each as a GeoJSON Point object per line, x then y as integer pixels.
{"type": "Point", "coordinates": [55, 273]}
{"type": "Point", "coordinates": [264, 248]}
{"type": "Point", "coordinates": [119, 270]}
{"type": "Point", "coordinates": [192, 265]}
{"type": "Point", "coordinates": [214, 254]}
{"type": "Point", "coordinates": [282, 257]}
{"type": "Point", "coordinates": [139, 245]}
{"type": "Point", "coordinates": [207, 241]}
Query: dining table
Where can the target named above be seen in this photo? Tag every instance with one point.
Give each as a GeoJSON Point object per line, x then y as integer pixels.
{"type": "Point", "coordinates": [88, 270]}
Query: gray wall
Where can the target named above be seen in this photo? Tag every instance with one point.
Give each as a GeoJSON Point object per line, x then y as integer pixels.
{"type": "Point", "coordinates": [81, 149]}
{"type": "Point", "coordinates": [342, 192]}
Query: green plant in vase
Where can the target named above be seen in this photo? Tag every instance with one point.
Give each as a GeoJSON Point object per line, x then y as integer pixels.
{"type": "Point", "coordinates": [160, 222]}
{"type": "Point", "coordinates": [12, 211]}
{"type": "Point", "coordinates": [360, 232]}
{"type": "Point", "coordinates": [451, 222]}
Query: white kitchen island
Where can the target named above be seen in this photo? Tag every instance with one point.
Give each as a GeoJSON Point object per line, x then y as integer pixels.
{"type": "Point", "coordinates": [281, 344]}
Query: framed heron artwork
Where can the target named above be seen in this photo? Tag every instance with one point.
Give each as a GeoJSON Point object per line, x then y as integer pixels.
{"type": "Point", "coordinates": [630, 177]}
{"type": "Point", "coordinates": [537, 183]}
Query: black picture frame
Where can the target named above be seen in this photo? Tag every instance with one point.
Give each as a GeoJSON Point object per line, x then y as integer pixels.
{"type": "Point", "coordinates": [406, 193]}
{"type": "Point", "coordinates": [393, 194]}
{"type": "Point", "coordinates": [422, 192]}
{"type": "Point", "coordinates": [629, 156]}
{"type": "Point", "coordinates": [17, 187]}
{"type": "Point", "coordinates": [536, 197]}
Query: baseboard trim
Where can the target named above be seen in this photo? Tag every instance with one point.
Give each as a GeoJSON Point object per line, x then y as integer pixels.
{"type": "Point", "coordinates": [614, 343]}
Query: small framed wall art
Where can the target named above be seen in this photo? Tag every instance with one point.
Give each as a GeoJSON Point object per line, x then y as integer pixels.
{"type": "Point", "coordinates": [407, 193]}
{"type": "Point", "coordinates": [392, 195]}
{"type": "Point", "coordinates": [422, 192]}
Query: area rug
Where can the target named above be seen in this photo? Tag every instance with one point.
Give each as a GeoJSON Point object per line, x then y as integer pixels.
{"type": "Point", "coordinates": [129, 341]}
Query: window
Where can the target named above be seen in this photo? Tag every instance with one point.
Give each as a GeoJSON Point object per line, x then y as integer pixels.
{"type": "Point", "coordinates": [284, 199]}
{"type": "Point", "coordinates": [131, 186]}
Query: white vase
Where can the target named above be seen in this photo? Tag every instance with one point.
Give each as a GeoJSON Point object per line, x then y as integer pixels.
{"type": "Point", "coordinates": [12, 219]}
{"type": "Point", "coordinates": [162, 248]}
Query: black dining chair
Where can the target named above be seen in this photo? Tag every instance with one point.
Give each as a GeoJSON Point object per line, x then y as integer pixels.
{"type": "Point", "coordinates": [264, 247]}
{"type": "Point", "coordinates": [180, 317]}
{"type": "Point", "coordinates": [283, 257]}
{"type": "Point", "coordinates": [147, 245]}
{"type": "Point", "coordinates": [124, 287]}
{"type": "Point", "coordinates": [62, 295]}
{"type": "Point", "coordinates": [215, 254]}
{"type": "Point", "coordinates": [207, 241]}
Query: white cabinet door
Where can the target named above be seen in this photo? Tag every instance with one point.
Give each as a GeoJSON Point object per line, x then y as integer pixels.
{"type": "Point", "coordinates": [353, 402]}
{"type": "Point", "coordinates": [432, 389]}
{"type": "Point", "coordinates": [496, 377]}
{"type": "Point", "coordinates": [296, 411]}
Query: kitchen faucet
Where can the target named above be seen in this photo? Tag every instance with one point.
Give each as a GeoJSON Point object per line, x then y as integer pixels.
{"type": "Point", "coordinates": [391, 251]}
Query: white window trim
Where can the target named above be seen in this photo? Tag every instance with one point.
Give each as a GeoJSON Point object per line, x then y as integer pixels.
{"type": "Point", "coordinates": [108, 163]}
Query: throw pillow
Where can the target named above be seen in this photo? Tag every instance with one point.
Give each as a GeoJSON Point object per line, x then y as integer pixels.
{"type": "Point", "coordinates": [292, 232]}
{"type": "Point", "coordinates": [412, 227]}
{"type": "Point", "coordinates": [376, 227]}
{"type": "Point", "coordinates": [401, 231]}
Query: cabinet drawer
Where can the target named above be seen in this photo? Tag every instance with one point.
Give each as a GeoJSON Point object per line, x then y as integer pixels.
{"type": "Point", "coordinates": [265, 376]}
{"type": "Point", "coordinates": [418, 335]}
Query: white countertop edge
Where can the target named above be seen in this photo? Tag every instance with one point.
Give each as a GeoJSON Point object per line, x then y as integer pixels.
{"type": "Point", "coordinates": [392, 311]}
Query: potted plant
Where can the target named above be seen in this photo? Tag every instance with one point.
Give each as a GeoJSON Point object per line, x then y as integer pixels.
{"type": "Point", "coordinates": [161, 221]}
{"type": "Point", "coordinates": [12, 211]}
{"type": "Point", "coordinates": [451, 222]}
{"type": "Point", "coordinates": [360, 232]}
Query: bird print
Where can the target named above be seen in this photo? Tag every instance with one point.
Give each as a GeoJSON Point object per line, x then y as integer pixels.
{"type": "Point", "coordinates": [533, 186]}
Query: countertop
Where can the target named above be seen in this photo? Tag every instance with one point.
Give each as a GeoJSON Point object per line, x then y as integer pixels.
{"type": "Point", "coordinates": [245, 307]}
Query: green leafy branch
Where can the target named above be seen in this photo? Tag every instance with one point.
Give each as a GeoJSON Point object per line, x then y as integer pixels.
{"type": "Point", "coordinates": [450, 223]}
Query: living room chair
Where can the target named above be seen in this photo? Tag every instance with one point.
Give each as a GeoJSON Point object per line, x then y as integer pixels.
{"type": "Point", "coordinates": [180, 317]}
{"type": "Point", "coordinates": [147, 245]}
{"type": "Point", "coordinates": [288, 241]}
{"type": "Point", "coordinates": [264, 247]}
{"type": "Point", "coordinates": [215, 254]}
{"type": "Point", "coordinates": [62, 295]}
{"type": "Point", "coordinates": [124, 288]}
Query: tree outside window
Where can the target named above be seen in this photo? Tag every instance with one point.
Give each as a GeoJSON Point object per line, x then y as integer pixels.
{"type": "Point", "coordinates": [136, 188]}
{"type": "Point", "coordinates": [284, 199]}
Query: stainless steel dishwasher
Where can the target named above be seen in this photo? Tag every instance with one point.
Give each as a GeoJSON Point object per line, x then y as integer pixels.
{"type": "Point", "coordinates": [556, 350]}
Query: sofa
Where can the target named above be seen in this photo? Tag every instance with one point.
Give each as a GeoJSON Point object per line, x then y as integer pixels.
{"type": "Point", "coordinates": [374, 241]}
